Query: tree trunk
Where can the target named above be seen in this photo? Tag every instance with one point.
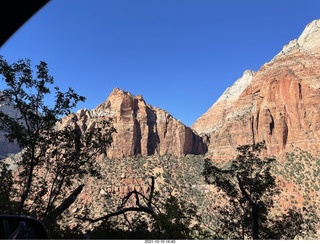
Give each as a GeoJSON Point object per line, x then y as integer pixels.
{"type": "Point", "coordinates": [255, 221]}
{"type": "Point", "coordinates": [254, 211]}
{"type": "Point", "coordinates": [51, 218]}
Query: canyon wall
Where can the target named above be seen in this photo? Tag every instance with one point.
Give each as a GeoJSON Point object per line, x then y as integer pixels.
{"type": "Point", "coordinates": [141, 129]}
{"type": "Point", "coordinates": [279, 104]}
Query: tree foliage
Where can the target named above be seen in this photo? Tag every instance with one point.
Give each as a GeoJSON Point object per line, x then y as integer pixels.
{"type": "Point", "coordinates": [52, 159]}
{"type": "Point", "coordinates": [249, 189]}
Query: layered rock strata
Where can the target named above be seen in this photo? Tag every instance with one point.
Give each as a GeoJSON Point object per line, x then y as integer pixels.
{"type": "Point", "coordinates": [280, 104]}
{"type": "Point", "coordinates": [141, 128]}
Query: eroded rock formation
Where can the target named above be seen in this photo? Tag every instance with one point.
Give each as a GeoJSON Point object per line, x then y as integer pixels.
{"type": "Point", "coordinates": [141, 128]}
{"type": "Point", "coordinates": [279, 104]}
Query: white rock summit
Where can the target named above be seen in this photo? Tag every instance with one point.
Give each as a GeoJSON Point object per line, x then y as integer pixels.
{"type": "Point", "coordinates": [233, 92]}
{"type": "Point", "coordinates": [308, 41]}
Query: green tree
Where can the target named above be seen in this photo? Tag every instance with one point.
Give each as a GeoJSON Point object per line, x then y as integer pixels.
{"type": "Point", "coordinates": [53, 159]}
{"type": "Point", "coordinates": [249, 188]}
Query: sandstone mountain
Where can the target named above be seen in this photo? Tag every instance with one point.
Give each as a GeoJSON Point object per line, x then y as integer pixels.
{"type": "Point", "coordinates": [141, 129]}
{"type": "Point", "coordinates": [279, 104]}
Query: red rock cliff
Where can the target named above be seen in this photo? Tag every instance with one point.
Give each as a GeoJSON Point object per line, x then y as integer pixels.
{"type": "Point", "coordinates": [141, 128]}
{"type": "Point", "coordinates": [279, 104]}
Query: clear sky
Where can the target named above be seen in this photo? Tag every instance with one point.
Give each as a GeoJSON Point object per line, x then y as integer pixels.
{"type": "Point", "coordinates": [181, 55]}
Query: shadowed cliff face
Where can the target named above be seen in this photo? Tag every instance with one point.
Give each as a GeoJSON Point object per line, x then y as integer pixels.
{"type": "Point", "coordinates": [5, 146]}
{"type": "Point", "coordinates": [280, 105]}
{"type": "Point", "coordinates": [141, 128]}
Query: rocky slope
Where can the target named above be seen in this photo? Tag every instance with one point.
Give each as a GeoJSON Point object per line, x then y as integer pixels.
{"type": "Point", "coordinates": [279, 104]}
{"type": "Point", "coordinates": [141, 128]}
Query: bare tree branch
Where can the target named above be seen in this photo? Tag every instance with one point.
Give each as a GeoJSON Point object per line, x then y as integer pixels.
{"type": "Point", "coordinates": [120, 212]}
{"type": "Point", "coordinates": [139, 208]}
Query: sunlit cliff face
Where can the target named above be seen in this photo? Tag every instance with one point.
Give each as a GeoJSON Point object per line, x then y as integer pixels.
{"type": "Point", "coordinates": [141, 129]}
{"type": "Point", "coordinates": [279, 104]}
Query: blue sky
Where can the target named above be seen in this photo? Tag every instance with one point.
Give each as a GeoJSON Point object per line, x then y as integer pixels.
{"type": "Point", "coordinates": [180, 55]}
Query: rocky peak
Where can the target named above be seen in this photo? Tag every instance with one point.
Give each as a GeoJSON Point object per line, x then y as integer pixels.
{"type": "Point", "coordinates": [279, 104]}
{"type": "Point", "coordinates": [233, 92]}
{"type": "Point", "coordinates": [211, 120]}
{"type": "Point", "coordinates": [309, 41]}
{"type": "Point", "coordinates": [118, 92]}
{"type": "Point", "coordinates": [310, 38]}
{"type": "Point", "coordinates": [141, 128]}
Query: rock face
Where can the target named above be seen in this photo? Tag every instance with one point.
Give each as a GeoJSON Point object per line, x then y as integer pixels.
{"type": "Point", "coordinates": [213, 119]}
{"type": "Point", "coordinates": [141, 128]}
{"type": "Point", "coordinates": [279, 104]}
{"type": "Point", "coordinates": [5, 146]}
